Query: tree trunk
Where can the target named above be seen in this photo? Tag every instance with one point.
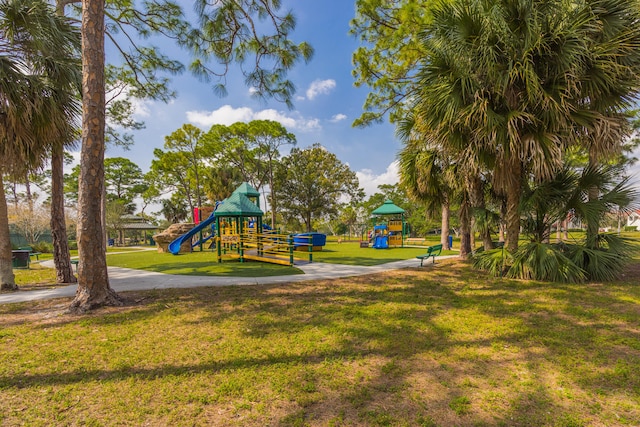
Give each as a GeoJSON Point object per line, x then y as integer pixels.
{"type": "Point", "coordinates": [27, 186]}
{"type": "Point", "coordinates": [14, 191]}
{"type": "Point", "coordinates": [465, 228]}
{"type": "Point", "coordinates": [61, 258]}
{"type": "Point", "coordinates": [514, 190]}
{"type": "Point", "coordinates": [7, 279]}
{"type": "Point", "coordinates": [308, 221]}
{"type": "Point", "coordinates": [93, 282]}
{"type": "Point", "coordinates": [444, 228]}
{"type": "Point", "coordinates": [472, 233]}
{"type": "Point", "coordinates": [273, 201]}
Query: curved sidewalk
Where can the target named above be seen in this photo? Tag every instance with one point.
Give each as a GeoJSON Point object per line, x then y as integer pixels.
{"type": "Point", "coordinates": [126, 279]}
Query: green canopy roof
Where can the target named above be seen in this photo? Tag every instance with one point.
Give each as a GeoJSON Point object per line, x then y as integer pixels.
{"type": "Point", "coordinates": [247, 190]}
{"type": "Point", "coordinates": [238, 205]}
{"type": "Point", "coordinates": [388, 208]}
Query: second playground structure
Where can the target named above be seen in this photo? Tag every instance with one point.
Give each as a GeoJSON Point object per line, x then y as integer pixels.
{"type": "Point", "coordinates": [237, 231]}
{"type": "Point", "coordinates": [390, 233]}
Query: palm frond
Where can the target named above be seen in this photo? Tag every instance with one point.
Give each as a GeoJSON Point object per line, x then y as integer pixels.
{"type": "Point", "coordinates": [540, 261]}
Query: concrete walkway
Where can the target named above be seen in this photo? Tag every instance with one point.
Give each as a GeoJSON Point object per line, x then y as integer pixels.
{"type": "Point", "coordinates": [126, 279]}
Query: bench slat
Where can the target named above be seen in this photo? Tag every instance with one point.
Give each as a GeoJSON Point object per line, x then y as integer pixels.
{"type": "Point", "coordinates": [432, 252]}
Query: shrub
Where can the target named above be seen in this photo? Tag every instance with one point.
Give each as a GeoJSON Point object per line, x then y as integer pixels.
{"type": "Point", "coordinates": [44, 247]}
{"type": "Point", "coordinates": [541, 261]}
{"type": "Point", "coordinates": [630, 228]}
{"type": "Point", "coordinates": [73, 245]}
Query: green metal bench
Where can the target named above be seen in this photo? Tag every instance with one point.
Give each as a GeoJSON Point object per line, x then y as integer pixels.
{"type": "Point", "coordinates": [432, 252]}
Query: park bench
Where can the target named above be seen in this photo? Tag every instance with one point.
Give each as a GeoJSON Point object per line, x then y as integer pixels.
{"type": "Point", "coordinates": [432, 252]}
{"type": "Point", "coordinates": [31, 251]}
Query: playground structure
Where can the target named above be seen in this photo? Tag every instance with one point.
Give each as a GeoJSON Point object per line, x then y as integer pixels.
{"type": "Point", "coordinates": [391, 233]}
{"type": "Point", "coordinates": [238, 233]}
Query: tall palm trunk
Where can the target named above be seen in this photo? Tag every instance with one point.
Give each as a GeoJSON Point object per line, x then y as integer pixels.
{"type": "Point", "coordinates": [61, 257]}
{"type": "Point", "coordinates": [593, 194]}
{"type": "Point", "coordinates": [7, 279]}
{"type": "Point", "coordinates": [93, 282]}
{"type": "Point", "coordinates": [478, 201]}
{"type": "Point", "coordinates": [444, 229]}
{"type": "Point", "coordinates": [27, 187]}
{"type": "Point", "coordinates": [465, 227]}
{"type": "Point", "coordinates": [513, 193]}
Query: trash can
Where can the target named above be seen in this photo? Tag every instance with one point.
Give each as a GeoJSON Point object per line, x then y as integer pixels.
{"type": "Point", "coordinates": [20, 259]}
{"type": "Point", "coordinates": [450, 242]}
{"type": "Point", "coordinates": [111, 242]}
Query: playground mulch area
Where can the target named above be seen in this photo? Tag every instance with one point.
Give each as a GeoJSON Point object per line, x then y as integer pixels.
{"type": "Point", "coordinates": [438, 346]}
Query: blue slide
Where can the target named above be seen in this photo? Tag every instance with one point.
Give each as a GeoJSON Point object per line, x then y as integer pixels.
{"type": "Point", "coordinates": [174, 247]}
{"type": "Point", "coordinates": [380, 242]}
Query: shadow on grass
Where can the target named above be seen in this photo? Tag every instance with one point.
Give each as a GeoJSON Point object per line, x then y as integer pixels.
{"type": "Point", "coordinates": [463, 332]}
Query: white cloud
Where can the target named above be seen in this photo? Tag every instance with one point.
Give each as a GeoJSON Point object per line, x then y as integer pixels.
{"type": "Point", "coordinates": [338, 118]}
{"type": "Point", "coordinates": [369, 181]}
{"type": "Point", "coordinates": [141, 107]}
{"type": "Point", "coordinates": [320, 87]}
{"type": "Point", "coordinates": [227, 115]}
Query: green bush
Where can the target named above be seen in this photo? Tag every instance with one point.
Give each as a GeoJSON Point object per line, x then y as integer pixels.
{"type": "Point", "coordinates": [73, 245]}
{"type": "Point", "coordinates": [630, 228]}
{"type": "Point", "coordinates": [43, 247]}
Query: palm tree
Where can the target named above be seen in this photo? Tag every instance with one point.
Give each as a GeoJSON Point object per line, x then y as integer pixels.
{"type": "Point", "coordinates": [546, 203]}
{"type": "Point", "coordinates": [423, 177]}
{"type": "Point", "coordinates": [438, 177]}
{"type": "Point", "coordinates": [38, 66]}
{"type": "Point", "coordinates": [508, 78]}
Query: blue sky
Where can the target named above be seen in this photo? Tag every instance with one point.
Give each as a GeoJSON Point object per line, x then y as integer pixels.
{"type": "Point", "coordinates": [325, 106]}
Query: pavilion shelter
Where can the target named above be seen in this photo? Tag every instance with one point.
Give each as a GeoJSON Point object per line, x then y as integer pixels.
{"type": "Point", "coordinates": [137, 227]}
{"type": "Point", "coordinates": [394, 217]}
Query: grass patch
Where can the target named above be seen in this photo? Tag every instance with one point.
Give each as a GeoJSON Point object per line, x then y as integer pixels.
{"type": "Point", "coordinates": [441, 346]}
{"type": "Point", "coordinates": [197, 264]}
{"type": "Point", "coordinates": [36, 277]}
{"type": "Point", "coordinates": [350, 253]}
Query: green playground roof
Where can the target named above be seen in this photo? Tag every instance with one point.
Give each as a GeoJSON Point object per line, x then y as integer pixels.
{"type": "Point", "coordinates": [247, 190]}
{"type": "Point", "coordinates": [388, 208]}
{"type": "Point", "coordinates": [238, 205]}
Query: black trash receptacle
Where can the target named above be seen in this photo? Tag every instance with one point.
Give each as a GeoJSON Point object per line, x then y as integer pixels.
{"type": "Point", "coordinates": [111, 242]}
{"type": "Point", "coordinates": [20, 259]}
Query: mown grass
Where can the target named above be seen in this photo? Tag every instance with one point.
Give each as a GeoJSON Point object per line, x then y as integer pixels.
{"type": "Point", "coordinates": [35, 277]}
{"type": "Point", "coordinates": [437, 346]}
{"type": "Point", "coordinates": [197, 264]}
{"type": "Point", "coordinates": [350, 253]}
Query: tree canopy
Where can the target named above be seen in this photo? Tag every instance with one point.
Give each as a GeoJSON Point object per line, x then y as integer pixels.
{"type": "Point", "coordinates": [314, 181]}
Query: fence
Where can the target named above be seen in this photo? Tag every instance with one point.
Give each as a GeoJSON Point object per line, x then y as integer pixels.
{"type": "Point", "coordinates": [18, 239]}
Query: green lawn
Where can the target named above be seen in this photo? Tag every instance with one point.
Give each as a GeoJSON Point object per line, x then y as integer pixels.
{"type": "Point", "coordinates": [197, 264]}
{"type": "Point", "coordinates": [351, 253]}
{"type": "Point", "coordinates": [437, 346]}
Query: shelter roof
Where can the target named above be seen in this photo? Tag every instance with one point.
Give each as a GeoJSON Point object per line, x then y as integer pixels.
{"type": "Point", "coordinates": [238, 205]}
{"type": "Point", "coordinates": [135, 222]}
{"type": "Point", "coordinates": [138, 226]}
{"type": "Point", "coordinates": [247, 190]}
{"type": "Point", "coordinates": [388, 208]}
